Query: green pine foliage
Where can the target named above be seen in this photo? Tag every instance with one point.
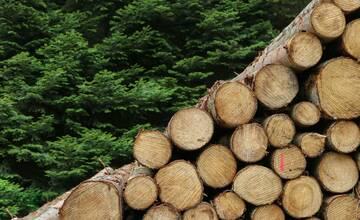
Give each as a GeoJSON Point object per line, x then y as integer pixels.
{"type": "Point", "coordinates": [79, 78]}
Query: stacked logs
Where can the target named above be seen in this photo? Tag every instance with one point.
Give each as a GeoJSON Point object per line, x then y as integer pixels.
{"type": "Point", "coordinates": [277, 143]}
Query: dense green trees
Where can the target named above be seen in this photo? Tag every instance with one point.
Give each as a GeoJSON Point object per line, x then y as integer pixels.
{"type": "Point", "coordinates": [79, 78]}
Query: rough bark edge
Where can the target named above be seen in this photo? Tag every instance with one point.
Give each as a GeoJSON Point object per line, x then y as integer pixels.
{"type": "Point", "coordinates": [300, 23]}
{"type": "Point", "coordinates": [50, 210]}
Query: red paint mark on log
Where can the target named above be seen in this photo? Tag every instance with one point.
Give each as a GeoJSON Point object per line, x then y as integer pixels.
{"type": "Point", "coordinates": [282, 162]}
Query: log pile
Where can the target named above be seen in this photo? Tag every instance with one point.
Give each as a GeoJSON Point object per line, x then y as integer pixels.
{"type": "Point", "coordinates": [279, 141]}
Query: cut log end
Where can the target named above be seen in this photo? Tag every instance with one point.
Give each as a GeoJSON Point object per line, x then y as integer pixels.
{"type": "Point", "coordinates": [351, 39]}
{"type": "Point", "coordinates": [289, 162]}
{"type": "Point", "coordinates": [276, 86]}
{"type": "Point", "coordinates": [232, 104]}
{"type": "Point", "coordinates": [257, 185]}
{"type": "Point", "coordinates": [337, 172]}
{"type": "Point", "coordinates": [336, 88]}
{"type": "Point", "coordinates": [203, 211]}
{"type": "Point", "coordinates": [348, 6]}
{"type": "Point", "coordinates": [311, 144]}
{"type": "Point", "coordinates": [343, 136]}
{"type": "Point", "coordinates": [228, 205]}
{"type": "Point", "coordinates": [152, 149]}
{"type": "Point", "coordinates": [93, 200]}
{"type": "Point", "coordinates": [217, 166]}
{"type": "Point", "coordinates": [280, 130]}
{"type": "Point", "coordinates": [305, 114]}
{"type": "Point", "coordinates": [302, 197]}
{"type": "Point", "coordinates": [163, 212]}
{"type": "Point", "coordinates": [268, 212]}
{"type": "Point", "coordinates": [179, 185]}
{"type": "Point", "coordinates": [249, 142]}
{"type": "Point", "coordinates": [140, 192]}
{"type": "Point", "coordinates": [341, 207]}
{"type": "Point", "coordinates": [328, 21]}
{"type": "Point", "coordinates": [305, 50]}
{"type": "Point", "coordinates": [191, 129]}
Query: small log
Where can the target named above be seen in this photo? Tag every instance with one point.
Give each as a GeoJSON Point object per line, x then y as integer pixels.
{"type": "Point", "coordinates": [229, 205]}
{"type": "Point", "coordinates": [351, 39]}
{"type": "Point", "coordinates": [305, 114]}
{"type": "Point", "coordinates": [302, 197]}
{"type": "Point", "coordinates": [257, 185]}
{"type": "Point", "coordinates": [249, 142]}
{"type": "Point", "coordinates": [141, 190]}
{"type": "Point", "coordinates": [232, 104]}
{"type": "Point", "coordinates": [203, 211]}
{"type": "Point", "coordinates": [163, 212]}
{"type": "Point", "coordinates": [357, 190]}
{"type": "Point", "coordinates": [311, 144]}
{"type": "Point", "coordinates": [179, 185]}
{"type": "Point", "coordinates": [280, 130]}
{"type": "Point", "coordinates": [190, 129]}
{"type": "Point", "coordinates": [268, 212]}
{"type": "Point", "coordinates": [106, 188]}
{"type": "Point", "coordinates": [348, 6]}
{"type": "Point", "coordinates": [152, 149]}
{"type": "Point", "coordinates": [217, 166]}
{"type": "Point", "coordinates": [337, 172]}
{"type": "Point", "coordinates": [341, 207]}
{"type": "Point", "coordinates": [335, 88]}
{"type": "Point", "coordinates": [288, 162]}
{"type": "Point", "coordinates": [302, 51]}
{"type": "Point", "coordinates": [328, 21]}
{"type": "Point", "coordinates": [343, 136]}
{"type": "Point", "coordinates": [276, 86]}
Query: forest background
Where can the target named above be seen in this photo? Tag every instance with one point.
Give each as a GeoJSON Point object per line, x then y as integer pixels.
{"type": "Point", "coordinates": [79, 78]}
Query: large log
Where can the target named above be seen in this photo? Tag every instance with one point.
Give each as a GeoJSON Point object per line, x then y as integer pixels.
{"type": "Point", "coordinates": [276, 86]}
{"type": "Point", "coordinates": [341, 207]}
{"type": "Point", "coordinates": [343, 136]}
{"type": "Point", "coordinates": [179, 185]}
{"type": "Point", "coordinates": [229, 205]}
{"type": "Point", "coordinates": [351, 39]}
{"type": "Point", "coordinates": [217, 166]}
{"type": "Point", "coordinates": [337, 172]}
{"type": "Point", "coordinates": [348, 6]}
{"type": "Point", "coordinates": [257, 185]}
{"type": "Point", "coordinates": [249, 142]}
{"type": "Point", "coordinates": [302, 197]}
{"type": "Point", "coordinates": [335, 89]}
{"type": "Point", "coordinates": [232, 104]}
{"type": "Point", "coordinates": [288, 162]}
{"type": "Point", "coordinates": [50, 210]}
{"type": "Point", "coordinates": [152, 149]}
{"type": "Point", "coordinates": [190, 129]}
{"type": "Point", "coordinates": [141, 190]}
{"type": "Point", "coordinates": [280, 130]}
